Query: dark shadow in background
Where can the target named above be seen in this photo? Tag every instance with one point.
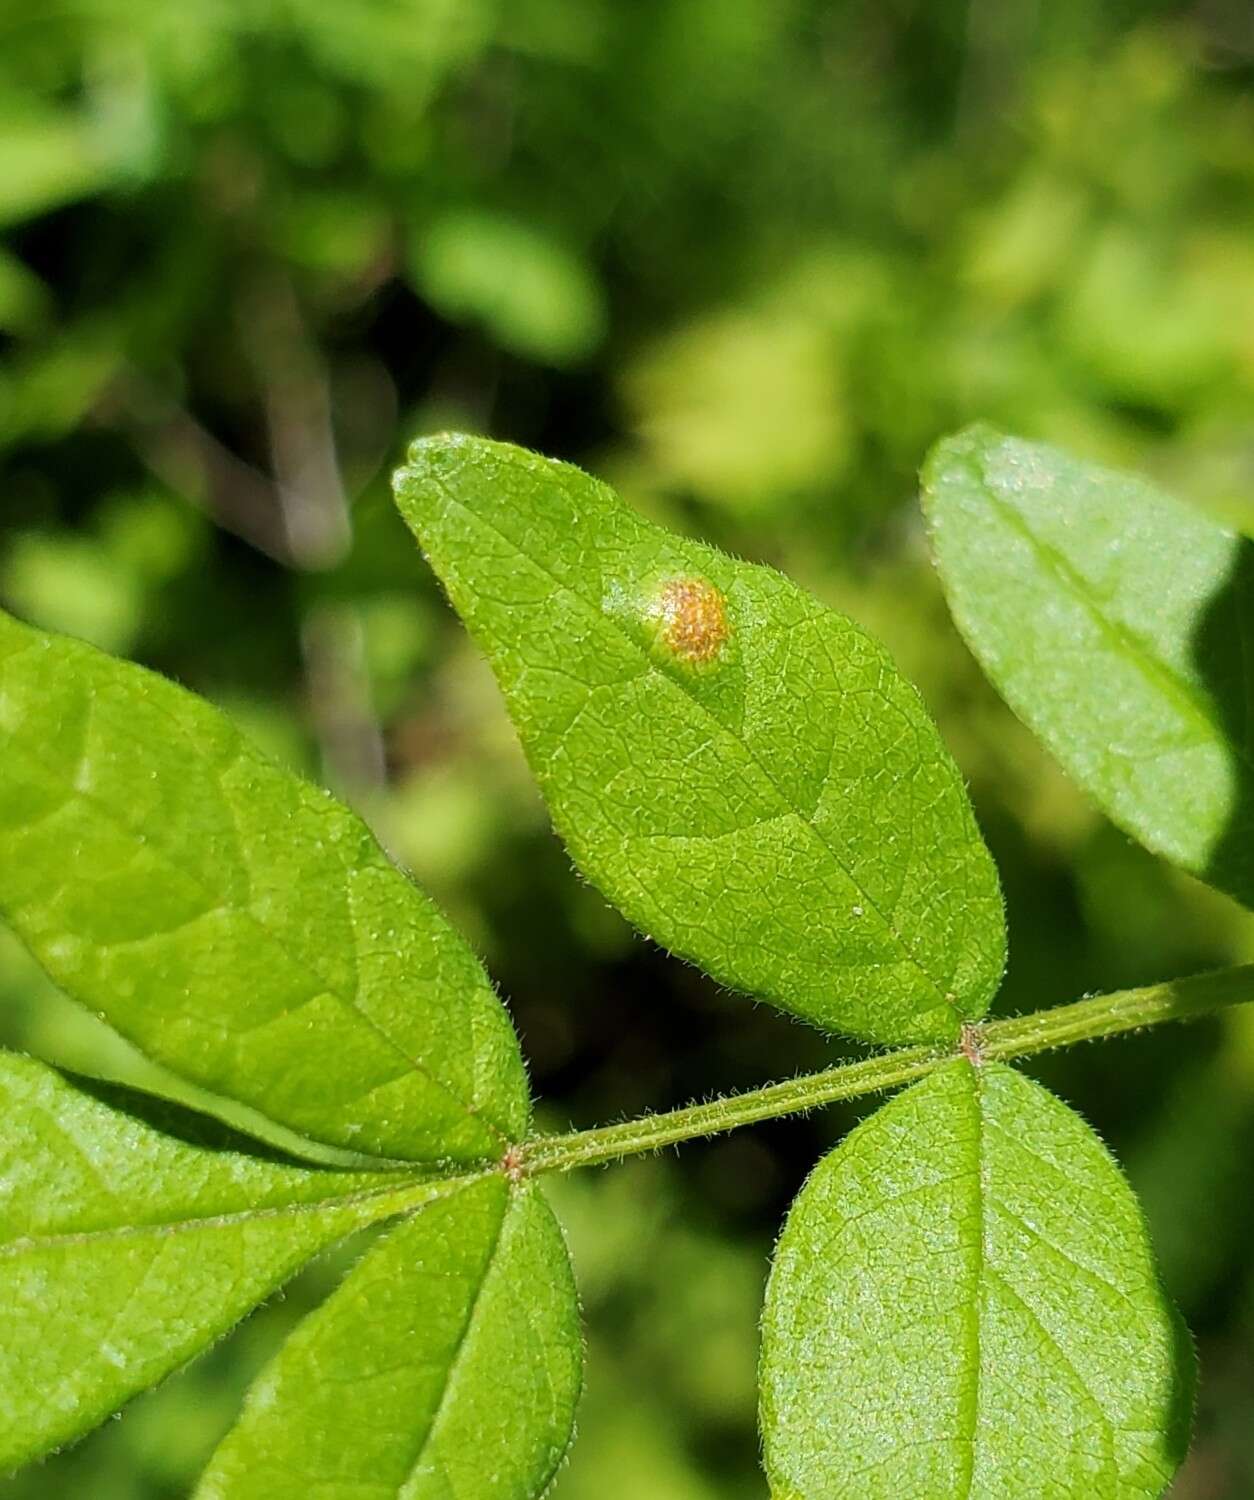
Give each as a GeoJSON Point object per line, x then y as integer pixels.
{"type": "Point", "coordinates": [1223, 649]}
{"type": "Point", "coordinates": [187, 1126]}
{"type": "Point", "coordinates": [1223, 654]}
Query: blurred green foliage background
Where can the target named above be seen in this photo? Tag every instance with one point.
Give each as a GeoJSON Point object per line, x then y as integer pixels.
{"type": "Point", "coordinates": [746, 259]}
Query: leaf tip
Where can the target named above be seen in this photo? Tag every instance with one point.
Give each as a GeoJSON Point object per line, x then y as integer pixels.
{"type": "Point", "coordinates": [428, 455]}
{"type": "Point", "coordinates": [959, 451]}
{"type": "Point", "coordinates": [439, 444]}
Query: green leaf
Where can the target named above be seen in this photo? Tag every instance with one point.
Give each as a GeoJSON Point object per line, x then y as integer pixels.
{"type": "Point", "coordinates": [50, 159]}
{"type": "Point", "coordinates": [1119, 625]}
{"type": "Point", "coordinates": [964, 1306]}
{"type": "Point", "coordinates": [126, 1248]}
{"type": "Point", "coordinates": [239, 925]}
{"type": "Point", "coordinates": [536, 296]}
{"type": "Point", "coordinates": [24, 299]}
{"type": "Point", "coordinates": [740, 770]}
{"type": "Point", "coordinates": [447, 1364]}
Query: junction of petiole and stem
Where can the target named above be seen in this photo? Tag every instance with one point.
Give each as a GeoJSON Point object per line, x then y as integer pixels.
{"type": "Point", "coordinates": [1017, 1036]}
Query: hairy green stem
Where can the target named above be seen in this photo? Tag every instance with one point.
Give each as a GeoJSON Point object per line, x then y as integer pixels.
{"type": "Point", "coordinates": [1017, 1036]}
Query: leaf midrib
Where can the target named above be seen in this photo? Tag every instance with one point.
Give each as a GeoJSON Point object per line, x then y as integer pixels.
{"type": "Point", "coordinates": [163, 1229]}
{"type": "Point", "coordinates": [984, 1274]}
{"type": "Point", "coordinates": [975, 1319]}
{"type": "Point", "coordinates": [1127, 640]}
{"type": "Point", "coordinates": [463, 1337]}
{"type": "Point", "coordinates": [939, 988]}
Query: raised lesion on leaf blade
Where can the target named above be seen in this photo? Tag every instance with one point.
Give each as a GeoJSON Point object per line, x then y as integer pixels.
{"type": "Point", "coordinates": [688, 618]}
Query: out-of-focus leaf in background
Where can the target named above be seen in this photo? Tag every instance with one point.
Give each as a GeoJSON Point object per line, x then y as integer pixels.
{"type": "Point", "coordinates": [533, 294]}
{"type": "Point", "coordinates": [798, 242]}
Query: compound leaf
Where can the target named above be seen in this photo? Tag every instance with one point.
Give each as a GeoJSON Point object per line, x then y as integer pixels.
{"type": "Point", "coordinates": [740, 770]}
{"type": "Point", "coordinates": [964, 1306]}
{"type": "Point", "coordinates": [1119, 625]}
{"type": "Point", "coordinates": [446, 1364]}
{"type": "Point", "coordinates": [125, 1249]}
{"type": "Point", "coordinates": [236, 923]}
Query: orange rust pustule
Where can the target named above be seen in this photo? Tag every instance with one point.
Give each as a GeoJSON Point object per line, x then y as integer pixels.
{"type": "Point", "coordinates": [692, 619]}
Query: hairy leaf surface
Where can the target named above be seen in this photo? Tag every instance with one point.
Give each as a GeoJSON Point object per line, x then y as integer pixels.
{"type": "Point", "coordinates": [741, 770]}
{"type": "Point", "coordinates": [963, 1306]}
{"type": "Point", "coordinates": [235, 922]}
{"type": "Point", "coordinates": [125, 1249]}
{"type": "Point", "coordinates": [1119, 625]}
{"type": "Point", "coordinates": [446, 1365]}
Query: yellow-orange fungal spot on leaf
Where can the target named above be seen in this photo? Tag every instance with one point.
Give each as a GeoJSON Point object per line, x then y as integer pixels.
{"type": "Point", "coordinates": [691, 618]}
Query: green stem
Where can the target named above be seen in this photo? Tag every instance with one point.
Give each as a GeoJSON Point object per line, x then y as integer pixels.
{"type": "Point", "coordinates": [1018, 1036]}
